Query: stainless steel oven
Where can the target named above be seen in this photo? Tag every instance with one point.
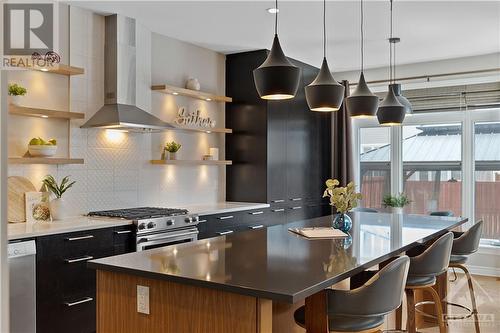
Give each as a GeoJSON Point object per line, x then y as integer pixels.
{"type": "Point", "coordinates": [165, 238]}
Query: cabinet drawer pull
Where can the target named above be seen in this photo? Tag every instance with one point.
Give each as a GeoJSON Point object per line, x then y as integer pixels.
{"type": "Point", "coordinates": [70, 261]}
{"type": "Point", "coordinates": [226, 217]}
{"type": "Point", "coordinates": [222, 233]}
{"type": "Point", "coordinates": [296, 199]}
{"type": "Point", "coordinates": [71, 239]}
{"type": "Point", "coordinates": [121, 232]}
{"type": "Point", "coordinates": [296, 207]}
{"type": "Point", "coordinates": [81, 301]}
{"type": "Point", "coordinates": [278, 210]}
{"type": "Point", "coordinates": [257, 213]}
{"type": "Point", "coordinates": [259, 226]}
{"type": "Point", "coordinates": [202, 221]}
{"type": "Point", "coordinates": [278, 201]}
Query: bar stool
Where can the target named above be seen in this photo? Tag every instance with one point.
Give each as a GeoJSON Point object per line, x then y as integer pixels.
{"type": "Point", "coordinates": [464, 244]}
{"type": "Point", "coordinates": [363, 309]}
{"type": "Point", "coordinates": [424, 268]}
{"type": "Point", "coordinates": [365, 210]}
{"type": "Point", "coordinates": [442, 213]}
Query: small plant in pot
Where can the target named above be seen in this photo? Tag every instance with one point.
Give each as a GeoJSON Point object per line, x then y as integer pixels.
{"type": "Point", "coordinates": [344, 199]}
{"type": "Point", "coordinates": [396, 202]}
{"type": "Point", "coordinates": [172, 148]}
{"type": "Point", "coordinates": [58, 209]}
{"type": "Point", "coordinates": [16, 92]}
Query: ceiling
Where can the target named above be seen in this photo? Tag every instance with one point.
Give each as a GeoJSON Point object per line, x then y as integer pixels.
{"type": "Point", "coordinates": [429, 30]}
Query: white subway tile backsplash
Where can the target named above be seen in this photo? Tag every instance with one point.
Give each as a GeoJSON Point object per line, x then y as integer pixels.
{"type": "Point", "coordinates": [100, 180]}
{"type": "Point", "coordinates": [126, 180]}
{"type": "Point", "coordinates": [100, 158]}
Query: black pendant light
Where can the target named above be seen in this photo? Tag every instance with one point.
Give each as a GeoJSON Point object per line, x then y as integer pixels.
{"type": "Point", "coordinates": [324, 93]}
{"type": "Point", "coordinates": [277, 78]}
{"type": "Point", "coordinates": [362, 103]}
{"type": "Point", "coordinates": [390, 111]}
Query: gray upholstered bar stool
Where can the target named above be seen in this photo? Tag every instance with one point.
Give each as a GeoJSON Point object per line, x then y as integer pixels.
{"type": "Point", "coordinates": [424, 268]}
{"type": "Point", "coordinates": [363, 309]}
{"type": "Point", "coordinates": [365, 210]}
{"type": "Point", "coordinates": [464, 244]}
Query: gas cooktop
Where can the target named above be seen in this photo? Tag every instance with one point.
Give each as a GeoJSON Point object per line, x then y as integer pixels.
{"type": "Point", "coordinates": [140, 213]}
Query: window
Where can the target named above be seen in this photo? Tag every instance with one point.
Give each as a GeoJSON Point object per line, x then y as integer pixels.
{"type": "Point", "coordinates": [487, 178]}
{"type": "Point", "coordinates": [432, 168]}
{"type": "Point", "coordinates": [375, 165]}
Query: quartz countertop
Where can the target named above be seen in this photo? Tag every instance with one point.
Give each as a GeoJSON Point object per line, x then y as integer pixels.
{"type": "Point", "coordinates": [274, 263]}
{"type": "Point", "coordinates": [78, 223]}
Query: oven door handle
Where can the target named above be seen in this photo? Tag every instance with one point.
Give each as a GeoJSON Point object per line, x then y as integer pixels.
{"type": "Point", "coordinates": [154, 240]}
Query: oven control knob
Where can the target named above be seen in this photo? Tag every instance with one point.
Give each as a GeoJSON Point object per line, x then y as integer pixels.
{"type": "Point", "coordinates": [170, 222]}
{"type": "Point", "coordinates": [151, 225]}
{"type": "Point", "coordinates": [188, 219]}
{"type": "Point", "coordinates": [141, 226]}
{"type": "Point", "coordinates": [196, 218]}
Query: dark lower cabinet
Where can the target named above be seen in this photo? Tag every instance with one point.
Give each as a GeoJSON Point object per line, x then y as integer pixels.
{"type": "Point", "coordinates": [65, 286]}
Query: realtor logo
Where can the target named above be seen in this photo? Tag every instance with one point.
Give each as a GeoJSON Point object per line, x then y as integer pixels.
{"type": "Point", "coordinates": [28, 28]}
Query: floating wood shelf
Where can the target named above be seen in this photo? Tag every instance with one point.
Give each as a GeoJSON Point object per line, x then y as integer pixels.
{"type": "Point", "coordinates": [58, 69]}
{"type": "Point", "coordinates": [191, 162]}
{"type": "Point", "coordinates": [201, 129]}
{"type": "Point", "coordinates": [44, 113]}
{"type": "Point", "coordinates": [164, 88]}
{"type": "Point", "coordinates": [44, 160]}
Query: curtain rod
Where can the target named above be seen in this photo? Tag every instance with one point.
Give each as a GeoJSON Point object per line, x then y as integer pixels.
{"type": "Point", "coordinates": [420, 77]}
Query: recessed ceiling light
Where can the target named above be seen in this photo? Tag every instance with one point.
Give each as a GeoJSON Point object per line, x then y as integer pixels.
{"type": "Point", "coordinates": [44, 69]}
{"type": "Point", "coordinates": [273, 10]}
{"type": "Point", "coordinates": [175, 93]}
{"type": "Point", "coordinates": [208, 99]}
{"type": "Point", "coordinates": [44, 116]}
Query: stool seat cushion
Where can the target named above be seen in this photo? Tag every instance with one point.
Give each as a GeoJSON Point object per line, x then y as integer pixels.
{"type": "Point", "coordinates": [416, 281]}
{"type": "Point", "coordinates": [343, 323]}
{"type": "Point", "coordinates": [457, 259]}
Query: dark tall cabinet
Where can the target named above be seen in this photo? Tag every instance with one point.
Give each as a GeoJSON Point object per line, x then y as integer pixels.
{"type": "Point", "coordinates": [281, 151]}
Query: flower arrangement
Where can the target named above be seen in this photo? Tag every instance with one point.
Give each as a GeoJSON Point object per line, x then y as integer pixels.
{"type": "Point", "coordinates": [397, 201]}
{"type": "Point", "coordinates": [16, 90]}
{"type": "Point", "coordinates": [343, 199]}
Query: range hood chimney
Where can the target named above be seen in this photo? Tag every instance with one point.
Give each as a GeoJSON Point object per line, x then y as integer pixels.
{"type": "Point", "coordinates": [119, 110]}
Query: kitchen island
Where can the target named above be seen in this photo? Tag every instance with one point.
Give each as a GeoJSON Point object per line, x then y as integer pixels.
{"type": "Point", "coordinates": [249, 281]}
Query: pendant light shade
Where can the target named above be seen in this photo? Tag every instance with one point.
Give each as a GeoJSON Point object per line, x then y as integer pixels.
{"type": "Point", "coordinates": [396, 87]}
{"type": "Point", "coordinates": [390, 111]}
{"type": "Point", "coordinates": [362, 103]}
{"type": "Point", "coordinates": [277, 78]}
{"type": "Point", "coordinates": [324, 94]}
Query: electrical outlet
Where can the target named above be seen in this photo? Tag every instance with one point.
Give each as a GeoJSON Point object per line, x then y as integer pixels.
{"type": "Point", "coordinates": [143, 299]}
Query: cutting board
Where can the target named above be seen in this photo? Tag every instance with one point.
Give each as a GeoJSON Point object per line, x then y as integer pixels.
{"type": "Point", "coordinates": [17, 187]}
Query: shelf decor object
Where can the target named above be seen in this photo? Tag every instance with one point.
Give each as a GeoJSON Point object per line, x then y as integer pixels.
{"type": "Point", "coordinates": [191, 162]}
{"type": "Point", "coordinates": [44, 160]}
{"type": "Point", "coordinates": [324, 94]}
{"type": "Point", "coordinates": [168, 89]}
{"type": "Point", "coordinates": [276, 78]}
{"type": "Point", "coordinates": [362, 103]}
{"type": "Point", "coordinates": [43, 113]}
{"type": "Point", "coordinates": [390, 111]}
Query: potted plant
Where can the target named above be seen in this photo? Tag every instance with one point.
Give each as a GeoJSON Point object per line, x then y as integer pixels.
{"type": "Point", "coordinates": [344, 199]}
{"type": "Point", "coordinates": [396, 202]}
{"type": "Point", "coordinates": [172, 148]}
{"type": "Point", "coordinates": [57, 206]}
{"type": "Point", "coordinates": [15, 93]}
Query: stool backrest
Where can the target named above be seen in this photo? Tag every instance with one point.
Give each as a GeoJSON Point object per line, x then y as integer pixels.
{"type": "Point", "coordinates": [468, 242]}
{"type": "Point", "coordinates": [435, 259]}
{"type": "Point", "coordinates": [365, 210]}
{"type": "Point", "coordinates": [442, 213]}
{"type": "Point", "coordinates": [378, 296]}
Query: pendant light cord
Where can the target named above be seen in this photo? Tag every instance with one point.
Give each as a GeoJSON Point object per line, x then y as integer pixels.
{"type": "Point", "coordinates": [276, 18]}
{"type": "Point", "coordinates": [391, 50]}
{"type": "Point", "coordinates": [362, 39]}
{"type": "Point", "coordinates": [324, 28]}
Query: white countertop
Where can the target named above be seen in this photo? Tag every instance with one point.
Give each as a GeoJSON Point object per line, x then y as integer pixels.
{"type": "Point", "coordinates": [78, 223]}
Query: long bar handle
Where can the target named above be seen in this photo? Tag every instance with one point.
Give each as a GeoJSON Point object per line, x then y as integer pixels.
{"type": "Point", "coordinates": [296, 199]}
{"type": "Point", "coordinates": [278, 210]}
{"type": "Point", "coordinates": [296, 207]}
{"type": "Point", "coordinates": [71, 239]}
{"type": "Point", "coordinates": [121, 232]}
{"type": "Point", "coordinates": [222, 233]}
{"type": "Point", "coordinates": [259, 226]}
{"type": "Point", "coordinates": [81, 301]}
{"type": "Point", "coordinates": [70, 261]}
{"type": "Point", "coordinates": [226, 217]}
{"type": "Point", "coordinates": [278, 201]}
{"type": "Point", "coordinates": [257, 213]}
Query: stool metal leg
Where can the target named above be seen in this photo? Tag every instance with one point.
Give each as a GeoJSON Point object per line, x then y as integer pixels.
{"type": "Point", "coordinates": [439, 309]}
{"type": "Point", "coordinates": [411, 325]}
{"type": "Point", "coordinates": [472, 296]}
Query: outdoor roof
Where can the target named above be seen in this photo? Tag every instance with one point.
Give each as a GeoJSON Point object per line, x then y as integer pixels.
{"type": "Point", "coordinates": [432, 145]}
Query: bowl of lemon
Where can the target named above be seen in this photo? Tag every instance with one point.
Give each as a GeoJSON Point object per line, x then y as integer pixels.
{"type": "Point", "coordinates": [38, 147]}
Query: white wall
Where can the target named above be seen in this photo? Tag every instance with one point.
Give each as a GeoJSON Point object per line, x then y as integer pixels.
{"type": "Point", "coordinates": [117, 172]}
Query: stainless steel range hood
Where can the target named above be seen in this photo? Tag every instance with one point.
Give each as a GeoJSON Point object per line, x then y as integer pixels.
{"type": "Point", "coordinates": [120, 110]}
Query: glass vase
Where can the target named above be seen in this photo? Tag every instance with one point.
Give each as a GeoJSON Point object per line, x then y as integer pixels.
{"type": "Point", "coordinates": [342, 222]}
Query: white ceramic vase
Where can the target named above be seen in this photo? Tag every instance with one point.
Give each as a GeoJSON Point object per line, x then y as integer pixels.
{"type": "Point", "coordinates": [58, 209]}
{"type": "Point", "coordinates": [193, 84]}
{"type": "Point", "coordinates": [15, 100]}
{"type": "Point", "coordinates": [172, 156]}
{"type": "Point", "coordinates": [397, 210]}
